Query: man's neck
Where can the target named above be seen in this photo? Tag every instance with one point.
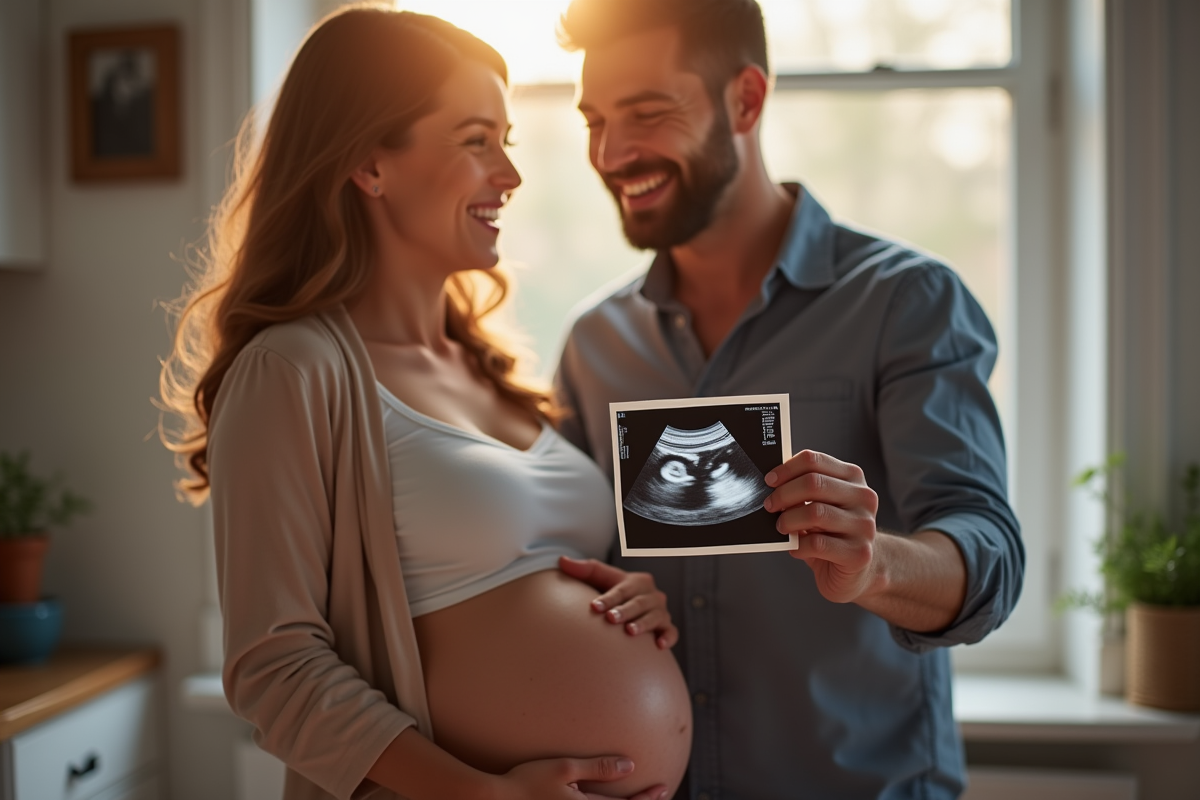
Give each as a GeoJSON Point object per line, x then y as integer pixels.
{"type": "Point", "coordinates": [719, 271]}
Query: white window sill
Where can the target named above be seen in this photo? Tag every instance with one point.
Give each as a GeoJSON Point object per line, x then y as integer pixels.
{"type": "Point", "coordinates": [989, 709]}
{"type": "Point", "coordinates": [1046, 708]}
{"type": "Point", "coordinates": [203, 692]}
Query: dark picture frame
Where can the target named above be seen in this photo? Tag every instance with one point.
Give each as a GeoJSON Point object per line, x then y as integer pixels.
{"type": "Point", "coordinates": [124, 103]}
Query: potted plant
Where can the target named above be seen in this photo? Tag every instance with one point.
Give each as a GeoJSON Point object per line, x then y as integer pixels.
{"type": "Point", "coordinates": [29, 507]}
{"type": "Point", "coordinates": [1152, 574]}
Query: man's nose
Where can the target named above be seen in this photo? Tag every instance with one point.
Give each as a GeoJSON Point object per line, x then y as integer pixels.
{"type": "Point", "coordinates": [614, 150]}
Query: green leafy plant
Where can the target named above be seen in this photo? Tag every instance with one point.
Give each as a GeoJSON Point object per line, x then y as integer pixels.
{"type": "Point", "coordinates": [1143, 560]}
{"type": "Point", "coordinates": [29, 504]}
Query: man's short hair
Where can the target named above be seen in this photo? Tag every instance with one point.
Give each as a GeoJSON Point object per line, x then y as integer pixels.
{"type": "Point", "coordinates": [718, 38]}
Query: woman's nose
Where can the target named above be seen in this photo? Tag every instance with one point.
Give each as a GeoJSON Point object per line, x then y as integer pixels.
{"type": "Point", "coordinates": [507, 177]}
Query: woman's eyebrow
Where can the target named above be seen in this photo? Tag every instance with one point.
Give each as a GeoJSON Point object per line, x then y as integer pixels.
{"type": "Point", "coordinates": [484, 121]}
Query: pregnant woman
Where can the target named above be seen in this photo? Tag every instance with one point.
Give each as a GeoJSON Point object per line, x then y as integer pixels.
{"type": "Point", "coordinates": [390, 503]}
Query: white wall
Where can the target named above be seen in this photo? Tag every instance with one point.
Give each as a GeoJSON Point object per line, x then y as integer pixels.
{"type": "Point", "coordinates": [79, 348]}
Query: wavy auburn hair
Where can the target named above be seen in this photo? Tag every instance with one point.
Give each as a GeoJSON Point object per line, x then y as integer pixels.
{"type": "Point", "coordinates": [290, 237]}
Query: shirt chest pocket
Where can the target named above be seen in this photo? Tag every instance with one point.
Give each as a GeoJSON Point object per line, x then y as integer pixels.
{"type": "Point", "coordinates": [821, 416]}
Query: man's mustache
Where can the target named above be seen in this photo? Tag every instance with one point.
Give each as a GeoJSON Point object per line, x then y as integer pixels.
{"type": "Point", "coordinates": [639, 168]}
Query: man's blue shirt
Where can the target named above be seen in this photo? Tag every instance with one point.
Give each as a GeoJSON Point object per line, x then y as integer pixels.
{"type": "Point", "coordinates": [886, 357]}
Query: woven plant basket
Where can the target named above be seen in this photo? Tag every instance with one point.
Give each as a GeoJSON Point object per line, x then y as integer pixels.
{"type": "Point", "coordinates": [1163, 656]}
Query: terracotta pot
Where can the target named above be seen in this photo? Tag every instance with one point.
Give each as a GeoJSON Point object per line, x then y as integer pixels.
{"type": "Point", "coordinates": [1163, 656]}
{"type": "Point", "coordinates": [21, 562]}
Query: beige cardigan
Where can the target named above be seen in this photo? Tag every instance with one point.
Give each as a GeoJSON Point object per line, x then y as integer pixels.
{"type": "Point", "coordinates": [320, 653]}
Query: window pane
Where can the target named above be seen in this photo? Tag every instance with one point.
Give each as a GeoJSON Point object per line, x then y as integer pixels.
{"type": "Point", "coordinates": [803, 35]}
{"type": "Point", "coordinates": [930, 167]}
{"type": "Point", "coordinates": [857, 35]}
{"type": "Point", "coordinates": [522, 30]}
{"type": "Point", "coordinates": [561, 233]}
{"type": "Point", "coordinates": [927, 166]}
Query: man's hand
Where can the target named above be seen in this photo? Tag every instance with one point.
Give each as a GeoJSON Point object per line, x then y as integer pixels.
{"type": "Point", "coordinates": [828, 503]}
{"type": "Point", "coordinates": [916, 581]}
{"type": "Point", "coordinates": [628, 598]}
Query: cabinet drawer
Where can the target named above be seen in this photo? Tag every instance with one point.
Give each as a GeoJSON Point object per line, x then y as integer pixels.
{"type": "Point", "coordinates": [80, 753]}
{"type": "Point", "coordinates": [140, 787]}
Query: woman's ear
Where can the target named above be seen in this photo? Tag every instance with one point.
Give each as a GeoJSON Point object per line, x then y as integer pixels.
{"type": "Point", "coordinates": [368, 177]}
{"type": "Point", "coordinates": [746, 94]}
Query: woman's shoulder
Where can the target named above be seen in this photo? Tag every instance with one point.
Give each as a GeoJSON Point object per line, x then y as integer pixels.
{"type": "Point", "coordinates": [308, 344]}
{"type": "Point", "coordinates": [302, 358]}
{"type": "Point", "coordinates": [301, 342]}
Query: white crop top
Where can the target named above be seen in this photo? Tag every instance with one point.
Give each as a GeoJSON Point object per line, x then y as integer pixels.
{"type": "Point", "coordinates": [472, 513]}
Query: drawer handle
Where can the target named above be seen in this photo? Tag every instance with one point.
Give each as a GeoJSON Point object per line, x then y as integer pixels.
{"type": "Point", "coordinates": [91, 765]}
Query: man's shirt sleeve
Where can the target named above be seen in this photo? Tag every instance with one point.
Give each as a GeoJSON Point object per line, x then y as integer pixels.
{"type": "Point", "coordinates": [943, 445]}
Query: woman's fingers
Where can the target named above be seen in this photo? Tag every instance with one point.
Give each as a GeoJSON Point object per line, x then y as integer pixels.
{"type": "Point", "coordinates": [595, 573]}
{"type": "Point", "coordinates": [646, 613]}
{"type": "Point", "coordinates": [617, 585]}
{"type": "Point", "coordinates": [629, 599]}
{"type": "Point", "coordinates": [560, 777]}
{"type": "Point", "coordinates": [653, 793]}
{"type": "Point", "coordinates": [657, 622]}
{"type": "Point", "coordinates": [613, 582]}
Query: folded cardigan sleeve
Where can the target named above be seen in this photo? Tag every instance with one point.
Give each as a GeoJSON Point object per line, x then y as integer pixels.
{"type": "Point", "coordinates": [271, 459]}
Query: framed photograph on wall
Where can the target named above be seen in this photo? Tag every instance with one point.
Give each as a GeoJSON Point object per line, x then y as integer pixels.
{"type": "Point", "coordinates": [124, 103]}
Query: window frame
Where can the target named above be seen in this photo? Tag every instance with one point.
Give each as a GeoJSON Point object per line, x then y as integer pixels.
{"type": "Point", "coordinates": [1036, 241]}
{"type": "Point", "coordinates": [1035, 465]}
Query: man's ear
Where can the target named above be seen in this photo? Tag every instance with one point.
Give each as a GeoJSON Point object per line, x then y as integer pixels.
{"type": "Point", "coordinates": [745, 95]}
{"type": "Point", "coordinates": [368, 177]}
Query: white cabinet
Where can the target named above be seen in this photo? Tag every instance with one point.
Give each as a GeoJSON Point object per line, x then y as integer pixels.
{"type": "Point", "coordinates": [105, 749]}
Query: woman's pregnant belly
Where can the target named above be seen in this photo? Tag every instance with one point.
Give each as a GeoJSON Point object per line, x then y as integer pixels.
{"type": "Point", "coordinates": [528, 671]}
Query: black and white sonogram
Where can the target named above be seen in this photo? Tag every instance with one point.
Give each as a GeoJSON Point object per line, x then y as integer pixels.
{"type": "Point", "coordinates": [689, 474]}
{"type": "Point", "coordinates": [697, 478]}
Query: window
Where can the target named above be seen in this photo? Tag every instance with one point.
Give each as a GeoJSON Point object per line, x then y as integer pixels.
{"type": "Point", "coordinates": [931, 121]}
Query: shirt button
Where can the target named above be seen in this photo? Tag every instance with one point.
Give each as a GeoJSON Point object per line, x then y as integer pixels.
{"type": "Point", "coordinates": [680, 321]}
{"type": "Point", "coordinates": [699, 602]}
{"type": "Point", "coordinates": [701, 699]}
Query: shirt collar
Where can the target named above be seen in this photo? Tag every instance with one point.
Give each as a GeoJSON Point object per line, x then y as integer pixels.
{"type": "Point", "coordinates": [806, 255]}
{"type": "Point", "coordinates": [805, 258]}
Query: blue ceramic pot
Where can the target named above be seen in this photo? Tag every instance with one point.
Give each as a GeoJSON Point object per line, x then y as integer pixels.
{"type": "Point", "coordinates": [29, 631]}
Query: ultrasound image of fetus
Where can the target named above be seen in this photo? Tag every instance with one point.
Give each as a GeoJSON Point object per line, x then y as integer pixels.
{"type": "Point", "coordinates": [700, 477]}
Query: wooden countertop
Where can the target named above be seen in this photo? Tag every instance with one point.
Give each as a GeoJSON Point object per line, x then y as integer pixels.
{"type": "Point", "coordinates": [72, 676]}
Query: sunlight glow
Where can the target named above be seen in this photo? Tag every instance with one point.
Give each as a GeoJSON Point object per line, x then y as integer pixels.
{"type": "Point", "coordinates": [523, 31]}
{"type": "Point", "coordinates": [803, 35]}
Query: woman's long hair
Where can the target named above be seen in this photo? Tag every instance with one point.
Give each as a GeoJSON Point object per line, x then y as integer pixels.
{"type": "Point", "coordinates": [291, 238]}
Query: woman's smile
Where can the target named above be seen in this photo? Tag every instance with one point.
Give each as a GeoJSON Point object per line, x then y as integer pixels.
{"type": "Point", "coordinates": [454, 165]}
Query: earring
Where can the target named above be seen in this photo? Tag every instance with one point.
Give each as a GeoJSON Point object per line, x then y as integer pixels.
{"type": "Point", "coordinates": [375, 189]}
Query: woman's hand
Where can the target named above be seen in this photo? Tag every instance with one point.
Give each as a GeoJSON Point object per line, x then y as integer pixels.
{"type": "Point", "coordinates": [559, 779]}
{"type": "Point", "coordinates": [629, 598]}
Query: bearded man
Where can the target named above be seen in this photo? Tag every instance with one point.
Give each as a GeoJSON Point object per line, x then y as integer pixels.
{"type": "Point", "coordinates": [824, 674]}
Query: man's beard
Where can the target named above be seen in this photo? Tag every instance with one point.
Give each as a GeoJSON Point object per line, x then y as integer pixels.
{"type": "Point", "coordinates": [709, 172]}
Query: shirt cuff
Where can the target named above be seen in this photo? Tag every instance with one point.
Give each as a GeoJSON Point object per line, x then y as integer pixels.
{"type": "Point", "coordinates": [994, 561]}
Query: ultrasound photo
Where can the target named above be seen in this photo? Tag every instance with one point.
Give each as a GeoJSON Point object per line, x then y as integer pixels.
{"type": "Point", "coordinates": [689, 474]}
